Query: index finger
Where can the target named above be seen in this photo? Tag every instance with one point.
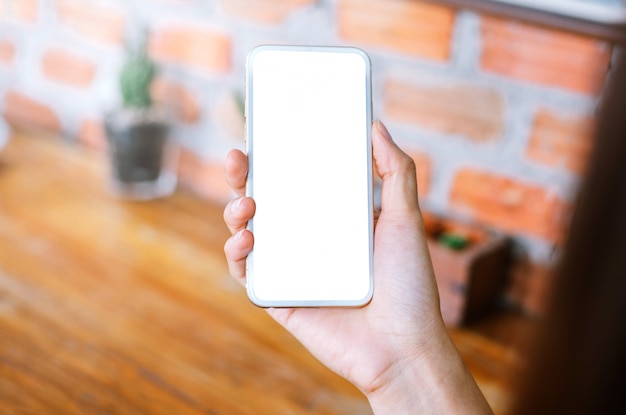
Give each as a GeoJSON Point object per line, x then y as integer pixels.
{"type": "Point", "coordinates": [236, 166]}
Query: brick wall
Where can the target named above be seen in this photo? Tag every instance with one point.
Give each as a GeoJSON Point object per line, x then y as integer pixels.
{"type": "Point", "coordinates": [497, 114]}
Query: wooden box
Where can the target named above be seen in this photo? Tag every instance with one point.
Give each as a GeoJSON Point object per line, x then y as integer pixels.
{"type": "Point", "coordinates": [470, 275]}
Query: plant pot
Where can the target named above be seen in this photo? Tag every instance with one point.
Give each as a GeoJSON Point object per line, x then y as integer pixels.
{"type": "Point", "coordinates": [142, 161]}
{"type": "Point", "coordinates": [470, 276]}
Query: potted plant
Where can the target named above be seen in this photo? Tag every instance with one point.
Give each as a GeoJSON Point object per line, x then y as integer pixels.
{"type": "Point", "coordinates": [137, 133]}
{"type": "Point", "coordinates": [471, 264]}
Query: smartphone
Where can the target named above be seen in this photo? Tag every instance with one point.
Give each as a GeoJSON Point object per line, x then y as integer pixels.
{"type": "Point", "coordinates": [309, 116]}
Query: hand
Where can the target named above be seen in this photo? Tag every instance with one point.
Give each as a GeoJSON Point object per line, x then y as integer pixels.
{"type": "Point", "coordinates": [372, 346]}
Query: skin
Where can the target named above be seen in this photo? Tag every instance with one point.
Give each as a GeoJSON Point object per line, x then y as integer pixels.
{"type": "Point", "coordinates": [396, 349]}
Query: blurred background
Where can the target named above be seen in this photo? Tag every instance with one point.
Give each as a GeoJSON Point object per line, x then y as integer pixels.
{"type": "Point", "coordinates": [497, 113]}
{"type": "Point", "coordinates": [495, 102]}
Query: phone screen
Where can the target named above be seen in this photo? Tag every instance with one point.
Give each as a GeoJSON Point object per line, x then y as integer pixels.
{"type": "Point", "coordinates": [309, 149]}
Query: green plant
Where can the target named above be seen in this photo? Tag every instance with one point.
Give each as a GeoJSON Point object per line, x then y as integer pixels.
{"type": "Point", "coordinates": [453, 241]}
{"type": "Point", "coordinates": [136, 76]}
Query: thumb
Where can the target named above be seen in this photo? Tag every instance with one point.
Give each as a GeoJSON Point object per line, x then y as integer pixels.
{"type": "Point", "coordinates": [397, 171]}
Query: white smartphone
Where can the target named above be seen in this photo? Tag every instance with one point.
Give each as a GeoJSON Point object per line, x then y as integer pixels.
{"type": "Point", "coordinates": [310, 172]}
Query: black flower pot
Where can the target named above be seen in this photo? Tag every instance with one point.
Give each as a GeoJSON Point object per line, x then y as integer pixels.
{"type": "Point", "coordinates": [140, 153]}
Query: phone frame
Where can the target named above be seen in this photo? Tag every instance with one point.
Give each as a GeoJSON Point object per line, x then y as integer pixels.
{"type": "Point", "coordinates": [249, 99]}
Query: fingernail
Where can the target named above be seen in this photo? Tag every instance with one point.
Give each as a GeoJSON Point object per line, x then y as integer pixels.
{"type": "Point", "coordinates": [383, 130]}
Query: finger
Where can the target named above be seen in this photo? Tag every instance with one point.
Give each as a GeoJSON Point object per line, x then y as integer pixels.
{"type": "Point", "coordinates": [236, 166]}
{"type": "Point", "coordinates": [238, 212]}
{"type": "Point", "coordinates": [397, 171]}
{"type": "Point", "coordinates": [237, 248]}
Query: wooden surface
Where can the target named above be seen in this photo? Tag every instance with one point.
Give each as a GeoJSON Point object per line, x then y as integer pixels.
{"type": "Point", "coordinates": [117, 307]}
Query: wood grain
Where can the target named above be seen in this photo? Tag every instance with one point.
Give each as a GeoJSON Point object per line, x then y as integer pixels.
{"type": "Point", "coordinates": [118, 307]}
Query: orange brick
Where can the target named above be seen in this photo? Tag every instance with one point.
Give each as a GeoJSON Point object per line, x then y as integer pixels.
{"type": "Point", "coordinates": [508, 204]}
{"type": "Point", "coordinates": [68, 68]}
{"type": "Point", "coordinates": [98, 20]}
{"type": "Point", "coordinates": [561, 141]}
{"type": "Point", "coordinates": [423, 169]}
{"type": "Point", "coordinates": [7, 52]}
{"type": "Point", "coordinates": [181, 101]}
{"type": "Point", "coordinates": [544, 56]}
{"type": "Point", "coordinates": [24, 111]}
{"type": "Point", "coordinates": [265, 11]}
{"type": "Point", "coordinates": [472, 111]}
{"type": "Point", "coordinates": [195, 47]}
{"type": "Point", "coordinates": [207, 179]}
{"type": "Point", "coordinates": [92, 134]}
{"type": "Point", "coordinates": [411, 27]}
{"type": "Point", "coordinates": [20, 10]}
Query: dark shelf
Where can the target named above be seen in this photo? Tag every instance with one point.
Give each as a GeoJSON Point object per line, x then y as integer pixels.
{"type": "Point", "coordinates": [614, 33]}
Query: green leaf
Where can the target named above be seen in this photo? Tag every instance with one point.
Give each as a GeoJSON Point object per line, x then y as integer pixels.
{"type": "Point", "coordinates": [136, 77]}
{"type": "Point", "coordinates": [453, 241]}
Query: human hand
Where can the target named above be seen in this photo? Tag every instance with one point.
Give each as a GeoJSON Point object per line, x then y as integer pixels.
{"type": "Point", "coordinates": [374, 345]}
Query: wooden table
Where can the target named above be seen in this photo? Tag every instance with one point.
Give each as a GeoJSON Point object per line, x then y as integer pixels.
{"type": "Point", "coordinates": [118, 307]}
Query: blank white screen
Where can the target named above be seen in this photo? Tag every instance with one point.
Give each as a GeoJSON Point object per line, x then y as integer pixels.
{"type": "Point", "coordinates": [310, 177]}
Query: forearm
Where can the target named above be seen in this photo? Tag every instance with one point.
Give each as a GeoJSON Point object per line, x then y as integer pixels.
{"type": "Point", "coordinates": [433, 381]}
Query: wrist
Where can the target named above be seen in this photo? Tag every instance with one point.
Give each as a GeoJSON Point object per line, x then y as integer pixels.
{"type": "Point", "coordinates": [432, 378]}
